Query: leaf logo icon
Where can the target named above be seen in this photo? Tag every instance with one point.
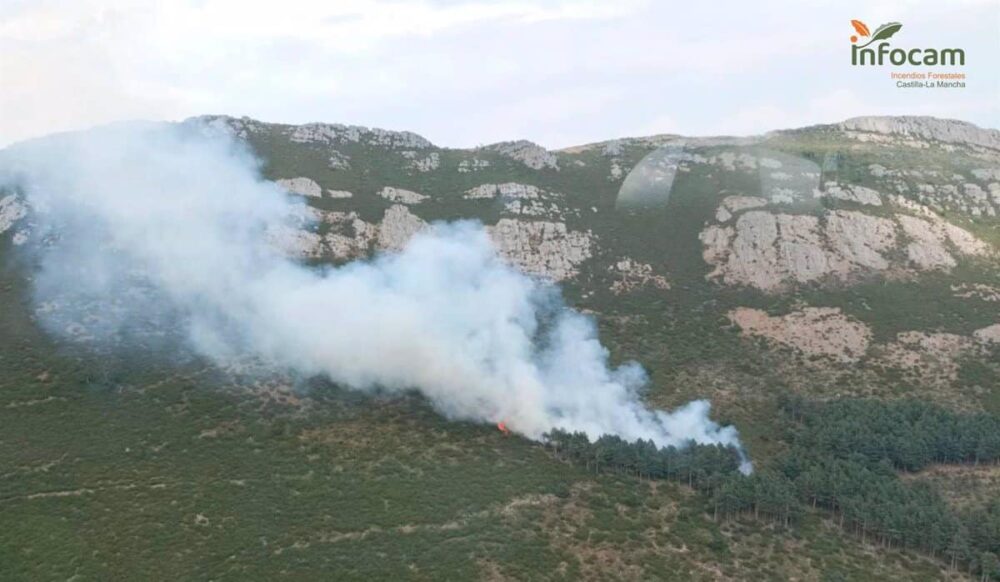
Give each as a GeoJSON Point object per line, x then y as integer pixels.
{"type": "Point", "coordinates": [883, 32]}
{"type": "Point", "coordinates": [886, 30]}
{"type": "Point", "coordinates": [860, 27]}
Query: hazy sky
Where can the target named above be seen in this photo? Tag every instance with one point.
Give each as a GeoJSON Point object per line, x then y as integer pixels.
{"type": "Point", "coordinates": [468, 72]}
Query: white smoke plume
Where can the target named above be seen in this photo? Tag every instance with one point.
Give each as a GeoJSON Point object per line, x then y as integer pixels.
{"type": "Point", "coordinates": [159, 223]}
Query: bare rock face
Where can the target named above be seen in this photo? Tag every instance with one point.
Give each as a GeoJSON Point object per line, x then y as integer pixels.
{"type": "Point", "coordinates": [401, 195]}
{"type": "Point", "coordinates": [296, 242]}
{"type": "Point", "coordinates": [632, 274]}
{"type": "Point", "coordinates": [800, 253]}
{"type": "Point", "coordinates": [512, 190]}
{"type": "Point", "coordinates": [520, 199]}
{"type": "Point", "coordinates": [856, 194]}
{"type": "Point", "coordinates": [330, 133]}
{"type": "Point", "coordinates": [11, 210]}
{"type": "Point", "coordinates": [732, 204]}
{"type": "Point", "coordinates": [716, 246]}
{"type": "Point", "coordinates": [959, 196]}
{"type": "Point", "coordinates": [927, 249]}
{"type": "Point", "coordinates": [740, 203]}
{"type": "Point", "coordinates": [766, 251]}
{"type": "Point", "coordinates": [530, 154]}
{"type": "Point", "coordinates": [771, 251]}
{"type": "Point", "coordinates": [536, 208]}
{"type": "Point", "coordinates": [752, 257]}
{"type": "Point", "coordinates": [927, 128]}
{"type": "Point", "coordinates": [547, 249]}
{"type": "Point", "coordinates": [350, 237]}
{"type": "Point", "coordinates": [860, 239]}
{"type": "Point", "coordinates": [814, 331]}
{"type": "Point", "coordinates": [430, 162]}
{"type": "Point", "coordinates": [964, 241]}
{"type": "Point", "coordinates": [929, 236]}
{"type": "Point", "coordinates": [339, 161]}
{"type": "Point", "coordinates": [988, 335]}
{"type": "Point", "coordinates": [339, 194]}
{"type": "Point", "coordinates": [302, 186]}
{"type": "Point", "coordinates": [397, 227]}
{"type": "Point", "coordinates": [911, 206]}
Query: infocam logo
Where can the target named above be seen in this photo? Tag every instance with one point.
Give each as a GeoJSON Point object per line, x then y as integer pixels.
{"type": "Point", "coordinates": [882, 53]}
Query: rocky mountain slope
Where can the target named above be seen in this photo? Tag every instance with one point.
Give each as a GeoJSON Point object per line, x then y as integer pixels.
{"type": "Point", "coordinates": [862, 255]}
{"type": "Point", "coordinates": [859, 259]}
{"type": "Point", "coordinates": [867, 249]}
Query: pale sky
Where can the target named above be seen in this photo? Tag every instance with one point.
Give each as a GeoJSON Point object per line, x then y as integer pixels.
{"type": "Point", "coordinates": [463, 73]}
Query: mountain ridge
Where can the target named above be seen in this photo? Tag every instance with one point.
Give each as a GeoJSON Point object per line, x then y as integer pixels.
{"type": "Point", "coordinates": [928, 126]}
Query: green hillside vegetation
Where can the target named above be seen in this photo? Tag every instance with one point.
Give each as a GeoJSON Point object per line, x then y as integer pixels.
{"type": "Point", "coordinates": [137, 464]}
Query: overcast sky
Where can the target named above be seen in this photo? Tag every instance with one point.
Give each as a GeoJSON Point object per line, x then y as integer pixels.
{"type": "Point", "coordinates": [463, 73]}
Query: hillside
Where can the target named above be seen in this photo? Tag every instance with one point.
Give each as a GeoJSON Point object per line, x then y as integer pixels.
{"type": "Point", "coordinates": [831, 263]}
{"type": "Point", "coordinates": [819, 248]}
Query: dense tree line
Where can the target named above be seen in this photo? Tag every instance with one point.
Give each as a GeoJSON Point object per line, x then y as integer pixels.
{"type": "Point", "coordinates": [908, 434]}
{"type": "Point", "coordinates": [844, 457]}
{"type": "Point", "coordinates": [701, 466]}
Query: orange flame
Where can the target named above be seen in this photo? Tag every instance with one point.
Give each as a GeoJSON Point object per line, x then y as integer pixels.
{"type": "Point", "coordinates": [502, 427]}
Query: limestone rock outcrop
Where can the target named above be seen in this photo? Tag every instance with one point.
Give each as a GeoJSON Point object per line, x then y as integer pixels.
{"type": "Point", "coordinates": [927, 128]}
{"type": "Point", "coordinates": [350, 237]}
{"type": "Point", "coordinates": [401, 195]}
{"type": "Point", "coordinates": [296, 242]}
{"type": "Point", "coordinates": [397, 227]}
{"type": "Point", "coordinates": [505, 190]}
{"type": "Point", "coordinates": [530, 154]}
{"type": "Point", "coordinates": [302, 186]}
{"type": "Point", "coordinates": [853, 193]}
{"type": "Point", "coordinates": [330, 133]}
{"type": "Point", "coordinates": [543, 248]}
{"type": "Point", "coordinates": [418, 163]}
{"type": "Point", "coordinates": [11, 210]}
{"type": "Point", "coordinates": [772, 250]}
